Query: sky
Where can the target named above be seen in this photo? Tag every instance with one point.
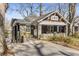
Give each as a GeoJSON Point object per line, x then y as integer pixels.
{"type": "Point", "coordinates": [11, 13]}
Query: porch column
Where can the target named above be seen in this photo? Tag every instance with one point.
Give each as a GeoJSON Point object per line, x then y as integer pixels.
{"type": "Point", "coordinates": [39, 30]}
{"type": "Point", "coordinates": [66, 29]}
{"type": "Point", "coordinates": [50, 29]}
{"type": "Point", "coordinates": [73, 29]}
{"type": "Point", "coordinates": [57, 28]}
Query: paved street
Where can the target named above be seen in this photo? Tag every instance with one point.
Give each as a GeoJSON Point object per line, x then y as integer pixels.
{"type": "Point", "coordinates": [42, 48]}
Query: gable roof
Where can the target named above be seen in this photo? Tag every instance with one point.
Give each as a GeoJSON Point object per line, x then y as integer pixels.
{"type": "Point", "coordinates": [31, 18]}
{"type": "Point", "coordinates": [39, 19]}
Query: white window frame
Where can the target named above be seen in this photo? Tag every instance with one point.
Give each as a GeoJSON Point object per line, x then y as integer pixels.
{"type": "Point", "coordinates": [54, 17]}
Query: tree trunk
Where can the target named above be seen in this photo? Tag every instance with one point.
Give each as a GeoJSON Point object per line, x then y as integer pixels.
{"type": "Point", "coordinates": [31, 8]}
{"type": "Point", "coordinates": [2, 29]}
{"type": "Point", "coordinates": [68, 29]}
{"type": "Point", "coordinates": [40, 9]}
{"type": "Point", "coordinates": [71, 17]}
{"type": "Point", "coordinates": [59, 7]}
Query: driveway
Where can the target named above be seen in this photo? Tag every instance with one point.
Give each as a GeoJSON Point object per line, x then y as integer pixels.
{"type": "Point", "coordinates": [42, 48]}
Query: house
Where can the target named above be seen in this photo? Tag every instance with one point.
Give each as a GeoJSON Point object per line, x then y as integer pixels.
{"type": "Point", "coordinates": [49, 24]}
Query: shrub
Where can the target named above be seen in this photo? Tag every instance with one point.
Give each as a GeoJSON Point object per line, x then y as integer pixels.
{"type": "Point", "coordinates": [55, 38]}
{"type": "Point", "coordinates": [6, 34]}
{"type": "Point", "coordinates": [76, 35]}
{"type": "Point", "coordinates": [68, 39]}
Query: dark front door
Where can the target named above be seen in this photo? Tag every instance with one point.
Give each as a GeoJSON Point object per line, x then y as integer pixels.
{"type": "Point", "coordinates": [32, 30]}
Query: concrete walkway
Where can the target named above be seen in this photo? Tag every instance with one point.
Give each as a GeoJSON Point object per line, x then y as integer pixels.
{"type": "Point", "coordinates": [42, 48]}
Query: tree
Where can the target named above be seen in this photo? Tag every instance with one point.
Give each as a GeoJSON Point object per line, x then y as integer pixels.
{"type": "Point", "coordinates": [2, 15]}
{"type": "Point", "coordinates": [63, 9]}
{"type": "Point", "coordinates": [31, 8]}
{"type": "Point", "coordinates": [68, 12]}
{"type": "Point", "coordinates": [25, 9]}
{"type": "Point", "coordinates": [72, 11]}
{"type": "Point", "coordinates": [40, 9]}
{"type": "Point", "coordinates": [59, 7]}
{"type": "Point", "coordinates": [3, 10]}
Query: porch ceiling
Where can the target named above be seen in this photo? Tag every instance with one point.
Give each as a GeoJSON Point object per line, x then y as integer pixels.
{"type": "Point", "coordinates": [52, 23]}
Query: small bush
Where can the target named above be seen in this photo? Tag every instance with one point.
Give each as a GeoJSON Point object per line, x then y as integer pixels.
{"type": "Point", "coordinates": [6, 34]}
{"type": "Point", "coordinates": [76, 35]}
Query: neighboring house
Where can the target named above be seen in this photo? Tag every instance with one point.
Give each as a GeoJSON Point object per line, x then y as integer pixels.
{"type": "Point", "coordinates": [17, 24]}
{"type": "Point", "coordinates": [76, 24]}
{"type": "Point", "coordinates": [21, 27]}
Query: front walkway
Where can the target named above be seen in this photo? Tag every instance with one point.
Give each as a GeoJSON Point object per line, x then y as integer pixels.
{"type": "Point", "coordinates": [42, 48]}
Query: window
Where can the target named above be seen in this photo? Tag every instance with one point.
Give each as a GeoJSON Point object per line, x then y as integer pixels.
{"type": "Point", "coordinates": [62, 29]}
{"type": "Point", "coordinates": [28, 28]}
{"type": "Point", "coordinates": [45, 29]}
{"type": "Point", "coordinates": [52, 29]}
{"type": "Point", "coordinates": [55, 28]}
{"type": "Point", "coordinates": [49, 29]}
{"type": "Point", "coordinates": [54, 17]}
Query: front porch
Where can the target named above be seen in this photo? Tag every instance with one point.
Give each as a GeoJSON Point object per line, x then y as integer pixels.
{"type": "Point", "coordinates": [51, 29]}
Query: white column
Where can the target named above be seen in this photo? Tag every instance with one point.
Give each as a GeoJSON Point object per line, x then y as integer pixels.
{"type": "Point", "coordinates": [57, 28]}
{"type": "Point", "coordinates": [74, 29]}
{"type": "Point", "coordinates": [39, 29]}
{"type": "Point", "coordinates": [78, 28]}
{"type": "Point", "coordinates": [66, 29]}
